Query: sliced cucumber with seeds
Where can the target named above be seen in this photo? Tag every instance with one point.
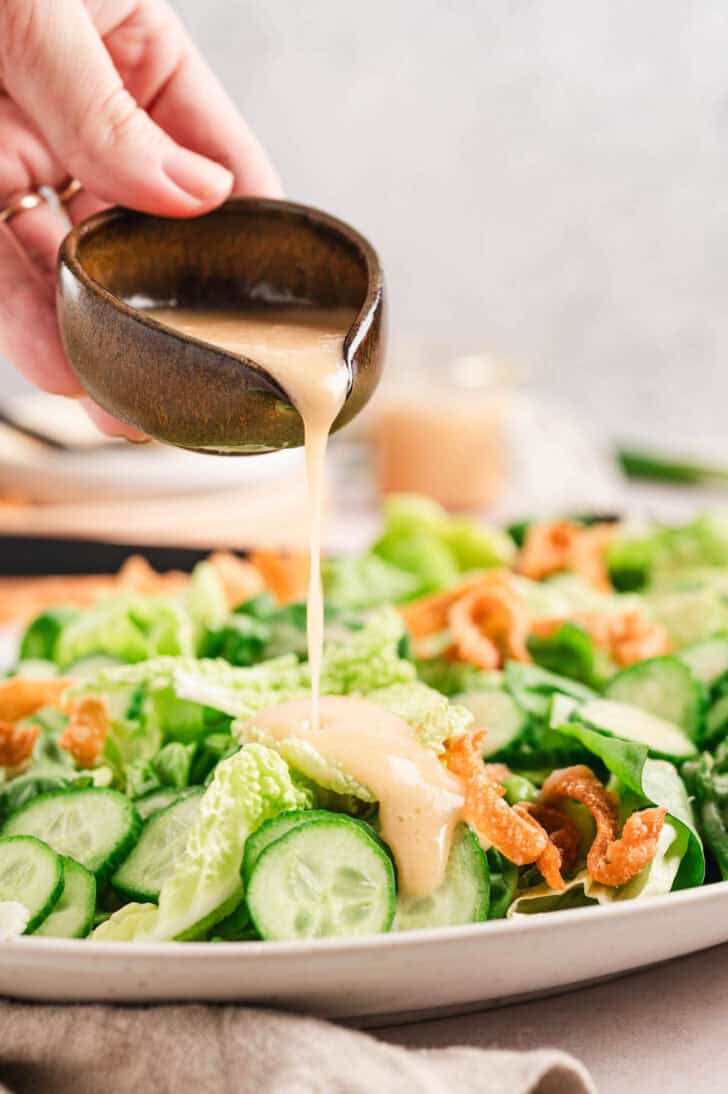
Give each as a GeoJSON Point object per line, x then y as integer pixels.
{"type": "Point", "coordinates": [707, 660]}
{"type": "Point", "coordinates": [160, 847]}
{"type": "Point", "coordinates": [95, 826]}
{"type": "Point", "coordinates": [155, 801]}
{"type": "Point", "coordinates": [664, 739]}
{"type": "Point", "coordinates": [277, 826]}
{"type": "Point", "coordinates": [464, 895]}
{"type": "Point", "coordinates": [498, 714]}
{"type": "Point", "coordinates": [31, 874]}
{"type": "Point", "coordinates": [272, 830]}
{"type": "Point", "coordinates": [73, 915]}
{"type": "Point", "coordinates": [324, 878]}
{"type": "Point", "coordinates": [663, 686]}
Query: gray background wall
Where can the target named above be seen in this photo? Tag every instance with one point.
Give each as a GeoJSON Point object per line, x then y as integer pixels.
{"type": "Point", "coordinates": [548, 180]}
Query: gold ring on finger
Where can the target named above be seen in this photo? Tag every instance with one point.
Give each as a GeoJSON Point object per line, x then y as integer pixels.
{"type": "Point", "coordinates": [68, 191]}
{"type": "Point", "coordinates": [30, 200]}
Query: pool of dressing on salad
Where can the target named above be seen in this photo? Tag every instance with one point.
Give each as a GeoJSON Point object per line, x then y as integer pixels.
{"type": "Point", "coordinates": [303, 349]}
{"type": "Point", "coordinates": [420, 801]}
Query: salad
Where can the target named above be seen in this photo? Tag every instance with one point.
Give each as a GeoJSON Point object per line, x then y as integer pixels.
{"type": "Point", "coordinates": [512, 722]}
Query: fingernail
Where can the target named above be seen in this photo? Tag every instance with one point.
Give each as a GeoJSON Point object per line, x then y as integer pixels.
{"type": "Point", "coordinates": [202, 179]}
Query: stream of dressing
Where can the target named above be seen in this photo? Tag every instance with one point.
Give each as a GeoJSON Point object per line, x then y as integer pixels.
{"type": "Point", "coordinates": [303, 349]}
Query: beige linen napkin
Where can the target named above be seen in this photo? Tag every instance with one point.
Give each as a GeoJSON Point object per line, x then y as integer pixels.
{"type": "Point", "coordinates": [194, 1049]}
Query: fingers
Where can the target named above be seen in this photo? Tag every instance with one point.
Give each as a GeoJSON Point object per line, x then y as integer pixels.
{"type": "Point", "coordinates": [194, 108]}
{"type": "Point", "coordinates": [55, 66]}
{"type": "Point", "coordinates": [180, 92]}
{"type": "Point", "coordinates": [110, 425]}
{"type": "Point", "coordinates": [29, 333]}
{"type": "Point", "coordinates": [40, 233]}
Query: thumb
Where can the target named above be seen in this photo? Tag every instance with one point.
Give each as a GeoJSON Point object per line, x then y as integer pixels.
{"type": "Point", "coordinates": [55, 66]}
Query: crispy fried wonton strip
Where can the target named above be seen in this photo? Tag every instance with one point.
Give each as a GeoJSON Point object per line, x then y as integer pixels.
{"type": "Point", "coordinates": [285, 575]}
{"type": "Point", "coordinates": [497, 773]}
{"type": "Point", "coordinates": [21, 696]}
{"type": "Point", "coordinates": [553, 546]}
{"type": "Point", "coordinates": [16, 743]}
{"type": "Point", "coordinates": [611, 861]}
{"type": "Point", "coordinates": [516, 836]}
{"type": "Point", "coordinates": [489, 626]}
{"type": "Point", "coordinates": [137, 576]}
{"type": "Point", "coordinates": [560, 856]}
{"type": "Point", "coordinates": [429, 614]}
{"type": "Point", "coordinates": [86, 730]}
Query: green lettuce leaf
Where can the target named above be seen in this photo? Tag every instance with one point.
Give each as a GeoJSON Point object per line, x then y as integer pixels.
{"type": "Point", "coordinates": [420, 538]}
{"type": "Point", "coordinates": [366, 581]}
{"type": "Point", "coordinates": [427, 711]}
{"type": "Point", "coordinates": [354, 663]}
{"type": "Point", "coordinates": [655, 781]}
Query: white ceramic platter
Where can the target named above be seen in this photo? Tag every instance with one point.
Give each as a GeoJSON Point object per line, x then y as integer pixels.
{"type": "Point", "coordinates": [401, 975]}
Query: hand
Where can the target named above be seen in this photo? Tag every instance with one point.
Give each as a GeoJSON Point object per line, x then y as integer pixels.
{"type": "Point", "coordinates": [113, 93]}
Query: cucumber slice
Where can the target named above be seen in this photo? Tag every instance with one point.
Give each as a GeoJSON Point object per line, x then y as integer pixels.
{"type": "Point", "coordinates": [95, 826]}
{"type": "Point", "coordinates": [31, 874]}
{"type": "Point", "coordinates": [463, 897]}
{"type": "Point", "coordinates": [707, 660]}
{"type": "Point", "coordinates": [87, 667]}
{"type": "Point", "coordinates": [325, 878]}
{"type": "Point", "coordinates": [160, 847]}
{"type": "Point", "coordinates": [663, 686]}
{"type": "Point", "coordinates": [155, 801]}
{"type": "Point", "coordinates": [73, 915]}
{"type": "Point", "coordinates": [272, 830]}
{"type": "Point", "coordinates": [664, 739]}
{"type": "Point", "coordinates": [498, 714]}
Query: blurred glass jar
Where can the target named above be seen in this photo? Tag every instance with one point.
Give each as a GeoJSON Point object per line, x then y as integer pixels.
{"type": "Point", "coordinates": [439, 429]}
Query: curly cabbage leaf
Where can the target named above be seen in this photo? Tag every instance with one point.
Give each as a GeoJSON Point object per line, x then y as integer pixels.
{"type": "Point", "coordinates": [247, 789]}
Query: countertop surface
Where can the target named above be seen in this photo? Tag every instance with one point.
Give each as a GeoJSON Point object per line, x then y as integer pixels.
{"type": "Point", "coordinates": [651, 1032]}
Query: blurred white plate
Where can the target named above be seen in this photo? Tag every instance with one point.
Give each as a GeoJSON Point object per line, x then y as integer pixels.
{"type": "Point", "coordinates": [32, 469]}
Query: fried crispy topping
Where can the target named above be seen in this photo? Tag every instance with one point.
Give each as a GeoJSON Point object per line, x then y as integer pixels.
{"type": "Point", "coordinates": [489, 626]}
{"type": "Point", "coordinates": [21, 696]}
{"type": "Point", "coordinates": [429, 614]}
{"type": "Point", "coordinates": [497, 773]}
{"type": "Point", "coordinates": [517, 836]}
{"type": "Point", "coordinates": [284, 575]}
{"type": "Point", "coordinates": [137, 576]}
{"type": "Point", "coordinates": [611, 860]}
{"type": "Point", "coordinates": [22, 598]}
{"type": "Point", "coordinates": [628, 637]}
{"type": "Point", "coordinates": [16, 743]}
{"type": "Point", "coordinates": [560, 856]}
{"type": "Point", "coordinates": [553, 546]}
{"type": "Point", "coordinates": [485, 614]}
{"type": "Point", "coordinates": [86, 730]}
{"type": "Point", "coordinates": [241, 580]}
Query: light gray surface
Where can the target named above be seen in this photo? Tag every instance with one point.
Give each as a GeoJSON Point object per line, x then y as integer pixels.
{"type": "Point", "coordinates": [546, 180]}
{"type": "Point", "coordinates": [653, 1032]}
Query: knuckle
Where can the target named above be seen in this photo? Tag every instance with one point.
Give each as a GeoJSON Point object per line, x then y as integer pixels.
{"type": "Point", "coordinates": [116, 121]}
